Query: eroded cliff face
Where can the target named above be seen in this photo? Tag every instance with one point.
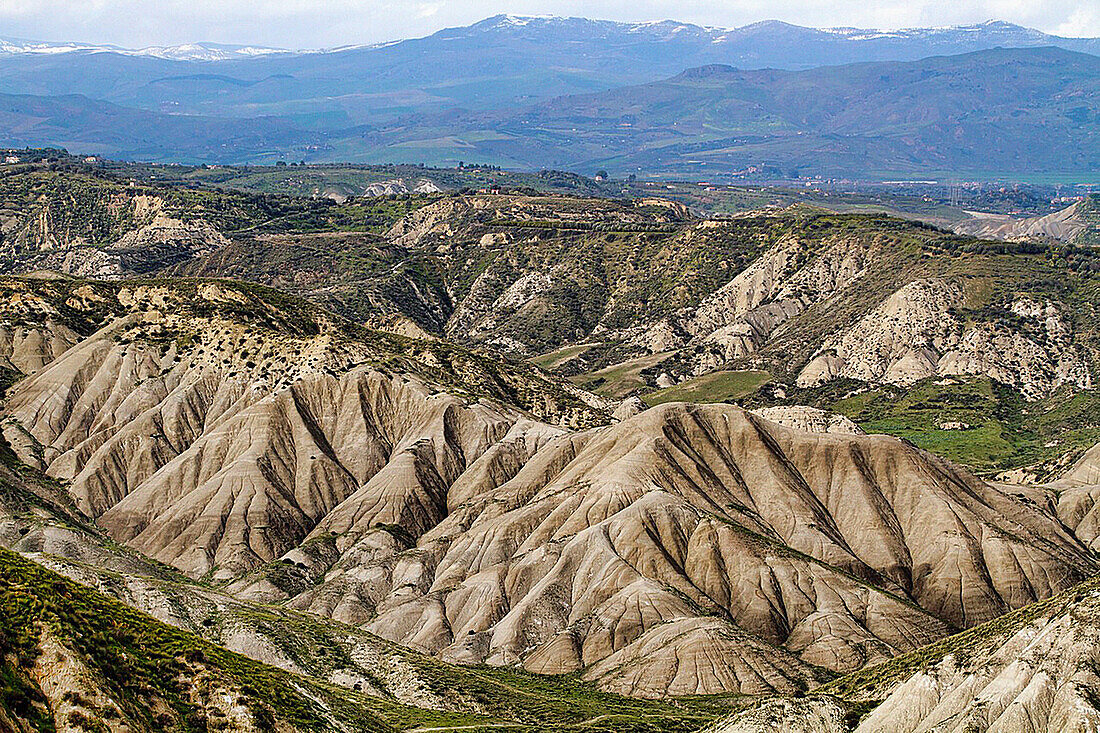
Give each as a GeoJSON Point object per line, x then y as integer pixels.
{"type": "Point", "coordinates": [1066, 224]}
{"type": "Point", "coordinates": [76, 659]}
{"type": "Point", "coordinates": [915, 334]}
{"type": "Point", "coordinates": [137, 235]}
{"type": "Point", "coordinates": [919, 331]}
{"type": "Point", "coordinates": [1033, 669]}
{"type": "Point", "coordinates": [811, 302]}
{"type": "Point", "coordinates": [740, 317]}
{"type": "Point", "coordinates": [809, 296]}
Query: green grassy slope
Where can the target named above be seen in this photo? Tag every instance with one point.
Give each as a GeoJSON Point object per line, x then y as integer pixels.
{"type": "Point", "coordinates": [713, 387]}
{"type": "Point", "coordinates": [140, 663]}
{"type": "Point", "coordinates": [979, 422]}
{"type": "Point", "coordinates": [137, 660]}
{"type": "Point", "coordinates": [974, 421]}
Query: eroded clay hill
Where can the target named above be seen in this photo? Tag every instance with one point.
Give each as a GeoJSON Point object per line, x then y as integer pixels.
{"type": "Point", "coordinates": [211, 396]}
{"type": "Point", "coordinates": [86, 667]}
{"type": "Point", "coordinates": [424, 495]}
{"type": "Point", "coordinates": [634, 552]}
{"type": "Point", "coordinates": [1069, 224]}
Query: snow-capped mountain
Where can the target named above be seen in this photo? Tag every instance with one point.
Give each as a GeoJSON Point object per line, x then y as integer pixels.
{"type": "Point", "coordinates": [201, 51]}
{"type": "Point", "coordinates": [206, 52]}
{"type": "Point", "coordinates": [766, 43]}
{"type": "Point", "coordinates": [912, 42]}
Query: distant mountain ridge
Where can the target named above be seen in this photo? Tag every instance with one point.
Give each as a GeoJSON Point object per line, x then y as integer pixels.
{"type": "Point", "coordinates": [999, 112]}
{"type": "Point", "coordinates": [1013, 110]}
{"type": "Point", "coordinates": [739, 44]}
{"type": "Point", "coordinates": [499, 91]}
{"type": "Point", "coordinates": [503, 62]}
{"type": "Point", "coordinates": [774, 43]}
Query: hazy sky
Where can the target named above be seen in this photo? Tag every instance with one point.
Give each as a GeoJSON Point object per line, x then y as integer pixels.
{"type": "Point", "coordinates": [328, 23]}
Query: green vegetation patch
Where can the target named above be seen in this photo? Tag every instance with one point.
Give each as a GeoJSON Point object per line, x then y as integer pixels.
{"type": "Point", "coordinates": [566, 702]}
{"type": "Point", "coordinates": [556, 358]}
{"type": "Point", "coordinates": [713, 387]}
{"type": "Point", "coordinates": [619, 380]}
{"type": "Point", "coordinates": [140, 662]}
{"type": "Point", "coordinates": [979, 422]}
{"type": "Point", "coordinates": [137, 658]}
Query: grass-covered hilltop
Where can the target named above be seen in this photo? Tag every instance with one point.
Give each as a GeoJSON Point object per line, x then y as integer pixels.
{"type": "Point", "coordinates": [409, 449]}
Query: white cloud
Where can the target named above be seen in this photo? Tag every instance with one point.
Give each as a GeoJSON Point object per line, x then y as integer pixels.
{"type": "Point", "coordinates": [323, 23]}
{"type": "Point", "coordinates": [1082, 22]}
{"type": "Point", "coordinates": [427, 10]}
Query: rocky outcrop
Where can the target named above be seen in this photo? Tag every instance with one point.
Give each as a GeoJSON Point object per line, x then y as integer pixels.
{"type": "Point", "coordinates": [76, 693]}
{"type": "Point", "coordinates": [809, 419]}
{"type": "Point", "coordinates": [741, 316]}
{"type": "Point", "coordinates": [1031, 672]}
{"type": "Point", "coordinates": [140, 236]}
{"type": "Point", "coordinates": [628, 408]}
{"type": "Point", "coordinates": [791, 715]}
{"type": "Point", "coordinates": [433, 221]}
{"type": "Point", "coordinates": [400, 186]}
{"type": "Point", "coordinates": [162, 242]}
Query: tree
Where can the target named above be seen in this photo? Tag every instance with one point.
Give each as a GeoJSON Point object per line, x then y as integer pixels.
{"type": "Point", "coordinates": [601, 174]}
